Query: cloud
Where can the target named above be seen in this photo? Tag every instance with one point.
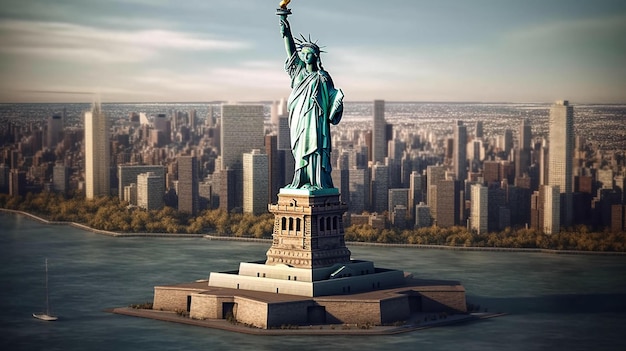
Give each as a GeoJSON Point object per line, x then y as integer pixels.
{"type": "Point", "coordinates": [254, 80]}
{"type": "Point", "coordinates": [84, 43]}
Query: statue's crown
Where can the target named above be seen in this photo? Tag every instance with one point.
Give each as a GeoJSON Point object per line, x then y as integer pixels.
{"type": "Point", "coordinates": [303, 42]}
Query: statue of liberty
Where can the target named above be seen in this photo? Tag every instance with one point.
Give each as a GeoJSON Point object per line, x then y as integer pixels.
{"type": "Point", "coordinates": [314, 104]}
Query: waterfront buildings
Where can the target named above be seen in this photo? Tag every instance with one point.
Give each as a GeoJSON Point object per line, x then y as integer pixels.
{"type": "Point", "coordinates": [127, 174]}
{"type": "Point", "coordinates": [188, 184]}
{"type": "Point", "coordinates": [423, 217]}
{"type": "Point", "coordinates": [398, 197]}
{"type": "Point", "coordinates": [255, 182]}
{"type": "Point", "coordinates": [479, 211]}
{"type": "Point", "coordinates": [150, 191]}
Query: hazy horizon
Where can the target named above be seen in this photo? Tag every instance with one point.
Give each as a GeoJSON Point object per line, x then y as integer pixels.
{"type": "Point", "coordinates": [574, 103]}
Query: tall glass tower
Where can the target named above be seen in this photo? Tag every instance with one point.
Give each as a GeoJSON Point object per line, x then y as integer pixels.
{"type": "Point", "coordinates": [97, 153]}
{"type": "Point", "coordinates": [379, 133]}
{"type": "Point", "coordinates": [560, 159]}
{"type": "Point", "coordinates": [460, 151]}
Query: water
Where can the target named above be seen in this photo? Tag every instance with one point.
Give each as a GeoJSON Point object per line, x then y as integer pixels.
{"type": "Point", "coordinates": [554, 301]}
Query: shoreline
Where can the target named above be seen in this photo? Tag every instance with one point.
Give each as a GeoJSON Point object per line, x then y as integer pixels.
{"type": "Point", "coordinates": [354, 243]}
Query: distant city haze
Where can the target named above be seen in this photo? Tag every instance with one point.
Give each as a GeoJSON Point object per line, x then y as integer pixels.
{"type": "Point", "coordinates": [451, 50]}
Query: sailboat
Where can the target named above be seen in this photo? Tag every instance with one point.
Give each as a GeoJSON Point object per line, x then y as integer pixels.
{"type": "Point", "coordinates": [46, 316]}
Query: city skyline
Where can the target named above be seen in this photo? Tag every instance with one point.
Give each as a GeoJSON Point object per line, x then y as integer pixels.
{"type": "Point", "coordinates": [139, 51]}
{"type": "Point", "coordinates": [514, 198]}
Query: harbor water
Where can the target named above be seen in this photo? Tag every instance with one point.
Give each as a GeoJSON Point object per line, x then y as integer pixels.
{"type": "Point", "coordinates": [565, 302]}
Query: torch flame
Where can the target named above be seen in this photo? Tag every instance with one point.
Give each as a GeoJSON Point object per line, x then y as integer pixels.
{"type": "Point", "coordinates": [283, 3]}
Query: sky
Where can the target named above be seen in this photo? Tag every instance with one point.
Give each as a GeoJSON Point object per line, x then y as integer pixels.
{"type": "Point", "coordinates": [402, 50]}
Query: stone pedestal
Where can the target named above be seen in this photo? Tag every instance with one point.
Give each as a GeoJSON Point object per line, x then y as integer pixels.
{"type": "Point", "coordinates": [308, 229]}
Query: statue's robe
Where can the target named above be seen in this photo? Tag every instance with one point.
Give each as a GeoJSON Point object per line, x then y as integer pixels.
{"type": "Point", "coordinates": [313, 105]}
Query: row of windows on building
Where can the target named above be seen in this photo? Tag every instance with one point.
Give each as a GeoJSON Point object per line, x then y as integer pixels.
{"type": "Point", "coordinates": [324, 224]}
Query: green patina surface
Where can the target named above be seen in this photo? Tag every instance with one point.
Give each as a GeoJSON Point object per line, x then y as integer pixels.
{"type": "Point", "coordinates": [314, 104]}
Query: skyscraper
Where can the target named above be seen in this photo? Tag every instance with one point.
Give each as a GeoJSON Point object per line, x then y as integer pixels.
{"type": "Point", "coordinates": [359, 181]}
{"type": "Point", "coordinates": [4, 178]}
{"type": "Point", "coordinates": [17, 182]}
{"type": "Point", "coordinates": [162, 129]}
{"type": "Point", "coordinates": [459, 155]}
{"type": "Point", "coordinates": [397, 197]}
{"type": "Point", "coordinates": [193, 116]}
{"type": "Point", "coordinates": [543, 157]}
{"type": "Point", "coordinates": [379, 137]}
{"type": "Point", "coordinates": [395, 150]}
{"type": "Point", "coordinates": [433, 175]}
{"type": "Point", "coordinates": [507, 142]}
{"type": "Point", "coordinates": [55, 131]}
{"type": "Point", "coordinates": [525, 135]}
{"type": "Point", "coordinates": [278, 109]}
{"type": "Point", "coordinates": [97, 153]}
{"type": "Point", "coordinates": [150, 191]}
{"type": "Point", "coordinates": [491, 172]}
{"type": "Point", "coordinates": [341, 176]}
{"type": "Point", "coordinates": [380, 187]}
{"type": "Point", "coordinates": [478, 130]}
{"type": "Point", "coordinates": [561, 129]}
{"type": "Point", "coordinates": [551, 208]}
{"type": "Point", "coordinates": [255, 182]}
{"type": "Point", "coordinates": [210, 120]}
{"type": "Point", "coordinates": [61, 178]}
{"type": "Point", "coordinates": [275, 166]}
{"type": "Point", "coordinates": [241, 131]}
{"type": "Point", "coordinates": [188, 184]}
{"type": "Point", "coordinates": [422, 215]}
{"type": "Point", "coordinates": [416, 194]}
{"type": "Point", "coordinates": [447, 203]}
{"type": "Point", "coordinates": [127, 174]}
{"type": "Point", "coordinates": [523, 150]}
{"type": "Point", "coordinates": [284, 141]}
{"type": "Point", "coordinates": [479, 212]}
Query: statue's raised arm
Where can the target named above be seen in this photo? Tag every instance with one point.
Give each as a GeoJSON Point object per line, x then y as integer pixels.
{"type": "Point", "coordinates": [285, 30]}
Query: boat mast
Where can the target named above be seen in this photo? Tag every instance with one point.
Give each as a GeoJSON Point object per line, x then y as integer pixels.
{"type": "Point", "coordinates": [47, 303]}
